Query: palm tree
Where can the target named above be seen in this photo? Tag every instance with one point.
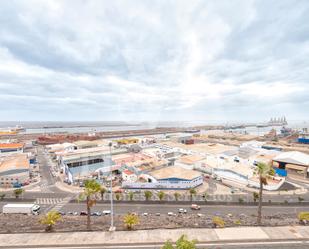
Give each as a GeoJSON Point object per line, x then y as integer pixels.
{"type": "Point", "coordinates": [102, 192]}
{"type": "Point", "coordinates": [18, 192]}
{"type": "Point", "coordinates": [263, 171]}
{"type": "Point", "coordinates": [192, 192]}
{"type": "Point", "coordinates": [50, 219]}
{"type": "Point", "coordinates": [130, 220]}
{"type": "Point", "coordinates": [255, 196]}
{"type": "Point", "coordinates": [131, 195]}
{"type": "Point", "coordinates": [205, 196]}
{"type": "Point", "coordinates": [161, 195]}
{"type": "Point", "coordinates": [148, 195]}
{"type": "Point", "coordinates": [176, 195]}
{"type": "Point", "coordinates": [92, 187]}
{"type": "Point", "coordinates": [117, 196]}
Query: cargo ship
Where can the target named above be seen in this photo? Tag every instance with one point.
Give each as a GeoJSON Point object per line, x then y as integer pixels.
{"type": "Point", "coordinates": [11, 130]}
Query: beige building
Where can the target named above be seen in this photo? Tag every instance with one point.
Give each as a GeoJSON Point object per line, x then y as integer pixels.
{"type": "Point", "coordinates": [14, 170]}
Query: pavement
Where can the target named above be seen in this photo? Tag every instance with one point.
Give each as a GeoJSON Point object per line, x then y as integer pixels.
{"type": "Point", "coordinates": [155, 238]}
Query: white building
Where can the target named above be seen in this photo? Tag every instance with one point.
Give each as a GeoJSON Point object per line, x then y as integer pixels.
{"type": "Point", "coordinates": [128, 176]}
{"type": "Point", "coordinates": [172, 177]}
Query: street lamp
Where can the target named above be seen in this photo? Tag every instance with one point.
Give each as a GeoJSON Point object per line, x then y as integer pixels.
{"type": "Point", "coordinates": [112, 228]}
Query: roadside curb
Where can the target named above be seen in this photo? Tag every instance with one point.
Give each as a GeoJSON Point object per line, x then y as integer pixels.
{"type": "Point", "coordinates": [136, 238]}
{"type": "Point", "coordinates": [214, 242]}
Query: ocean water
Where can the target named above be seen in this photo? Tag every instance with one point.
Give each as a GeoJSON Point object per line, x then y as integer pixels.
{"type": "Point", "coordinates": [101, 126]}
{"type": "Point", "coordinates": [84, 127]}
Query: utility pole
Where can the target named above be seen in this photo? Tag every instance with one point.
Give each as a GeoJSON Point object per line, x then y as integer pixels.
{"type": "Point", "coordinates": [112, 228]}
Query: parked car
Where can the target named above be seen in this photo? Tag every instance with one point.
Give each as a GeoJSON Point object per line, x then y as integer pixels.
{"type": "Point", "coordinates": [195, 207]}
{"type": "Point", "coordinates": [106, 212]}
{"type": "Point", "coordinates": [182, 211]}
{"type": "Point", "coordinates": [158, 214]}
{"type": "Point", "coordinates": [145, 214]}
{"type": "Point", "coordinates": [96, 214]}
{"type": "Point", "coordinates": [170, 214]}
{"type": "Point", "coordinates": [83, 213]}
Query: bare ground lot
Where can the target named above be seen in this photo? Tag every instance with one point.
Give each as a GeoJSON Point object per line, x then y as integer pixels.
{"type": "Point", "coordinates": [14, 223]}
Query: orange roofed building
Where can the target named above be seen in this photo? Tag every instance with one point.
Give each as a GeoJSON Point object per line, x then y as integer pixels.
{"type": "Point", "coordinates": [11, 148]}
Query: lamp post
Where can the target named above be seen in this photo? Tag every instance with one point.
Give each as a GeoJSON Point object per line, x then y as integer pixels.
{"type": "Point", "coordinates": [112, 228]}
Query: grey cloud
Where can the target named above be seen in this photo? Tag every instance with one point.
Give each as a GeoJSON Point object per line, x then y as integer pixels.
{"type": "Point", "coordinates": [153, 60]}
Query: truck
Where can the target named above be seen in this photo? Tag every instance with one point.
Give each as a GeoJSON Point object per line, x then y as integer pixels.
{"type": "Point", "coordinates": [21, 208]}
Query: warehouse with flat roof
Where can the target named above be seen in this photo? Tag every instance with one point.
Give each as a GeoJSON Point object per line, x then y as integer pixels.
{"type": "Point", "coordinates": [14, 170]}
{"type": "Point", "coordinates": [172, 177]}
{"type": "Point", "coordinates": [293, 162]}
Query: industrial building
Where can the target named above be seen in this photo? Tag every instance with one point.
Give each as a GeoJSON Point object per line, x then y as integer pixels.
{"type": "Point", "coordinates": [79, 164]}
{"type": "Point", "coordinates": [11, 148]}
{"type": "Point", "coordinates": [171, 177]}
{"type": "Point", "coordinates": [293, 162]}
{"type": "Point", "coordinates": [14, 170]}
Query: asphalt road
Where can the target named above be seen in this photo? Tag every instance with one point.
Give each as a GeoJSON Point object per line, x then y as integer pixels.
{"type": "Point", "coordinates": [164, 209]}
{"type": "Point", "coordinates": [47, 180]}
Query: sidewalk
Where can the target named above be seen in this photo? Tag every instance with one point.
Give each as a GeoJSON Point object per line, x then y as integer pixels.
{"type": "Point", "coordinates": [156, 236]}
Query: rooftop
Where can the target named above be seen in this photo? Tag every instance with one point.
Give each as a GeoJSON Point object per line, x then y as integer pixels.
{"type": "Point", "coordinates": [293, 157]}
{"type": "Point", "coordinates": [209, 148]}
{"type": "Point", "coordinates": [175, 172]}
{"type": "Point", "coordinates": [128, 172]}
{"type": "Point", "coordinates": [190, 159]}
{"type": "Point", "coordinates": [19, 161]}
{"type": "Point", "coordinates": [86, 143]}
{"type": "Point", "coordinates": [89, 152]}
{"type": "Point", "coordinates": [11, 146]}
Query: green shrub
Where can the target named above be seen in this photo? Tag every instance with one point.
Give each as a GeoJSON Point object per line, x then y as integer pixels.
{"type": "Point", "coordinates": [303, 216]}
{"type": "Point", "coordinates": [218, 221]}
{"type": "Point", "coordinates": [300, 199]}
{"type": "Point", "coordinates": [118, 196]}
{"type": "Point", "coordinates": [237, 222]}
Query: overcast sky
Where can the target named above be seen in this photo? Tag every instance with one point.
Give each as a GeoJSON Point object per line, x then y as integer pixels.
{"type": "Point", "coordinates": [154, 60]}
